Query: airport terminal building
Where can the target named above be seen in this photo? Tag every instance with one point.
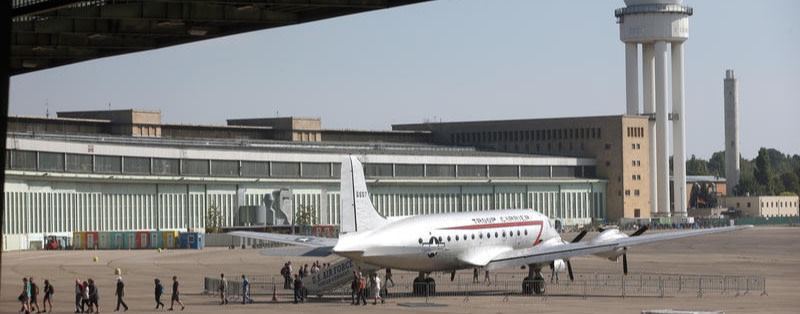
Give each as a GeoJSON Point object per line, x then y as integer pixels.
{"type": "Point", "coordinates": [125, 170]}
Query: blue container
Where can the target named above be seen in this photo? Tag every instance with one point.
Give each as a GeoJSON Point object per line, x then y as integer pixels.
{"type": "Point", "coordinates": [128, 240]}
{"type": "Point", "coordinates": [104, 240]}
{"type": "Point", "coordinates": [116, 240]}
{"type": "Point", "coordinates": [191, 240]}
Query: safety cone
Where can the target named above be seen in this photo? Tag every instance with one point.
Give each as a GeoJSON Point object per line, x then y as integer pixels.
{"type": "Point", "coordinates": [274, 294]}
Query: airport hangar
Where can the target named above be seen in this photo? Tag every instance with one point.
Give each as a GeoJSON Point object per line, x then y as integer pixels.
{"type": "Point", "coordinates": [124, 170]}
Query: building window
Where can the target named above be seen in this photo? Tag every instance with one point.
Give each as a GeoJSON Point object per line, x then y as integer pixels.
{"type": "Point", "coordinates": [627, 192]}
{"type": "Point", "coordinates": [637, 213]}
{"type": "Point", "coordinates": [636, 192]}
{"type": "Point", "coordinates": [608, 146]}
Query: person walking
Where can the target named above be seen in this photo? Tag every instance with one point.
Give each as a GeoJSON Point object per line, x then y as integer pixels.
{"type": "Point", "coordinates": [25, 296]}
{"type": "Point", "coordinates": [158, 292]}
{"type": "Point", "coordinates": [120, 293]}
{"type": "Point", "coordinates": [78, 296]}
{"type": "Point", "coordinates": [487, 278]}
{"type": "Point", "coordinates": [298, 289]}
{"type": "Point", "coordinates": [475, 275]}
{"type": "Point", "coordinates": [34, 296]}
{"type": "Point", "coordinates": [85, 304]}
{"type": "Point", "coordinates": [362, 290]}
{"type": "Point", "coordinates": [375, 288]}
{"type": "Point", "coordinates": [94, 296]}
{"type": "Point", "coordinates": [388, 277]}
{"type": "Point", "coordinates": [48, 296]}
{"type": "Point", "coordinates": [246, 290]}
{"type": "Point", "coordinates": [223, 286]}
{"type": "Point", "coordinates": [176, 295]}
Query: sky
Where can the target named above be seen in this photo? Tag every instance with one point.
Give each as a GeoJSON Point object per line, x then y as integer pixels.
{"type": "Point", "coordinates": [450, 60]}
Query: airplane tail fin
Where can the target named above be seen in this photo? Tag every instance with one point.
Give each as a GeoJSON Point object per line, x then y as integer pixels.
{"type": "Point", "coordinates": [357, 211]}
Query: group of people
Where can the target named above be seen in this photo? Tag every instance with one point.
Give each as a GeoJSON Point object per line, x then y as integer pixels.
{"type": "Point", "coordinates": [363, 288]}
{"type": "Point", "coordinates": [29, 298]}
{"type": "Point", "coordinates": [87, 296]}
{"type": "Point", "coordinates": [223, 290]}
{"type": "Point", "coordinates": [302, 272]}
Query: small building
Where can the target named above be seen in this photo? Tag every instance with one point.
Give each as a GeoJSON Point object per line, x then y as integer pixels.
{"type": "Point", "coordinates": [763, 206]}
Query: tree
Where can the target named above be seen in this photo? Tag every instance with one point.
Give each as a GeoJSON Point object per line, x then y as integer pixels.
{"type": "Point", "coordinates": [305, 216]}
{"type": "Point", "coordinates": [790, 182]}
{"type": "Point", "coordinates": [747, 186]}
{"type": "Point", "coordinates": [697, 167]}
{"type": "Point", "coordinates": [214, 219]}
{"type": "Point", "coordinates": [763, 171]}
{"type": "Point", "coordinates": [716, 165]}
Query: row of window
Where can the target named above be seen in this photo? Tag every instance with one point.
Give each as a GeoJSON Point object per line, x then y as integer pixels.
{"type": "Point", "coordinates": [775, 204]}
{"type": "Point", "coordinates": [636, 146]}
{"type": "Point", "coordinates": [525, 135]}
{"type": "Point", "coordinates": [636, 163]}
{"type": "Point", "coordinates": [83, 163]}
{"type": "Point", "coordinates": [635, 132]}
{"type": "Point", "coordinates": [497, 234]}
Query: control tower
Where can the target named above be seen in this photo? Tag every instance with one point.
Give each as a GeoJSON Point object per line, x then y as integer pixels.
{"type": "Point", "coordinates": [660, 27]}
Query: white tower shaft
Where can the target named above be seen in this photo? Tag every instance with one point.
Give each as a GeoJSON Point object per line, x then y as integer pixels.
{"type": "Point", "coordinates": [648, 65]}
{"type": "Point", "coordinates": [679, 132]}
{"type": "Point", "coordinates": [662, 125]}
{"type": "Point", "coordinates": [731, 131]}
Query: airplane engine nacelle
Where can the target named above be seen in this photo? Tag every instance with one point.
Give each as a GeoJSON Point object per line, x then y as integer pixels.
{"type": "Point", "coordinates": [559, 265]}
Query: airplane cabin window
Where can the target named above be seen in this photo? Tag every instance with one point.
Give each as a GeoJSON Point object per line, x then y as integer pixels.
{"type": "Point", "coordinates": [526, 231]}
{"type": "Point", "coordinates": [517, 232]}
{"type": "Point", "coordinates": [456, 237]}
{"type": "Point", "coordinates": [504, 234]}
{"type": "Point", "coordinates": [488, 235]}
{"type": "Point", "coordinates": [440, 240]}
{"type": "Point", "coordinates": [480, 235]}
{"type": "Point", "coordinates": [420, 240]}
{"type": "Point", "coordinates": [496, 235]}
{"type": "Point", "coordinates": [448, 238]}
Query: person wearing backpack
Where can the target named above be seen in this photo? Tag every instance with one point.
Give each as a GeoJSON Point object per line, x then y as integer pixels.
{"type": "Point", "coordinates": [34, 296]}
{"type": "Point", "coordinates": [48, 296]}
{"type": "Point", "coordinates": [158, 292]}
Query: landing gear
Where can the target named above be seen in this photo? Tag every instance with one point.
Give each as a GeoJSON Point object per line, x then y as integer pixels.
{"type": "Point", "coordinates": [423, 285]}
{"type": "Point", "coordinates": [534, 283]}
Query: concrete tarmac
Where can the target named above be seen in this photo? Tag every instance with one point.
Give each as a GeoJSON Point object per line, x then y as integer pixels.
{"type": "Point", "coordinates": [770, 251]}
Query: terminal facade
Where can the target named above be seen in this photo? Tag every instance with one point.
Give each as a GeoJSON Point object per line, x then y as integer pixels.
{"type": "Point", "coordinates": [125, 170]}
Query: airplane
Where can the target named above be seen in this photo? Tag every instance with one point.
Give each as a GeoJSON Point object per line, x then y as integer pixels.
{"type": "Point", "coordinates": [449, 242]}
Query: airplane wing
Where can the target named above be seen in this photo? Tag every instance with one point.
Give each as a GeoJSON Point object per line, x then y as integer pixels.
{"type": "Point", "coordinates": [294, 239]}
{"type": "Point", "coordinates": [535, 254]}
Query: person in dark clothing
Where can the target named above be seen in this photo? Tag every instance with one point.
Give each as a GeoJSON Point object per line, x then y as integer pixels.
{"type": "Point", "coordinates": [48, 295]}
{"type": "Point", "coordinates": [354, 287]}
{"type": "Point", "coordinates": [176, 296]}
{"type": "Point", "coordinates": [120, 293]}
{"type": "Point", "coordinates": [34, 296]}
{"type": "Point", "coordinates": [159, 291]}
{"type": "Point", "coordinates": [94, 296]}
{"type": "Point", "coordinates": [298, 289]}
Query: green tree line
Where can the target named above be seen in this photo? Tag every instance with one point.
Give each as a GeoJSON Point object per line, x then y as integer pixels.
{"type": "Point", "coordinates": [770, 173]}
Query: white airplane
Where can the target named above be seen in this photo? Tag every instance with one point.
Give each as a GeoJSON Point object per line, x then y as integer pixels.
{"type": "Point", "coordinates": [453, 241]}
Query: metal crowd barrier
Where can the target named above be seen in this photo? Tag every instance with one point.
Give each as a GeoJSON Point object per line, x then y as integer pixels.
{"type": "Point", "coordinates": [509, 284]}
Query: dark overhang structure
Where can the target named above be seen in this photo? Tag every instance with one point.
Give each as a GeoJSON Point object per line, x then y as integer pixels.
{"type": "Point", "coordinates": [51, 33]}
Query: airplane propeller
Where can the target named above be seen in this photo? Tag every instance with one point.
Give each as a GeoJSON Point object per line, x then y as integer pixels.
{"type": "Point", "coordinates": [625, 255]}
{"type": "Point", "coordinates": [577, 238]}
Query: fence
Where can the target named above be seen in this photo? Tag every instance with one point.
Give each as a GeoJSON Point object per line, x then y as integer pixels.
{"type": "Point", "coordinates": [507, 284]}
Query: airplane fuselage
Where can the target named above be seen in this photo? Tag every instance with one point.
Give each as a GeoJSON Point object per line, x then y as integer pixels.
{"type": "Point", "coordinates": [447, 242]}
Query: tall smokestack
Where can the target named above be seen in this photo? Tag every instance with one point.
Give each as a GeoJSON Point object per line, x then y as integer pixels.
{"type": "Point", "coordinates": [731, 131]}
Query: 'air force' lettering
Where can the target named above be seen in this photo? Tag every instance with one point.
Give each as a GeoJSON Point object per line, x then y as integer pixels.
{"type": "Point", "coordinates": [452, 241]}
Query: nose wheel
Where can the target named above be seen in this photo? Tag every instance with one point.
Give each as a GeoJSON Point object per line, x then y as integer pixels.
{"type": "Point", "coordinates": [423, 285]}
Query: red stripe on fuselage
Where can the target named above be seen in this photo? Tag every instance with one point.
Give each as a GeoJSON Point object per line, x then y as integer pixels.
{"type": "Point", "coordinates": [497, 225]}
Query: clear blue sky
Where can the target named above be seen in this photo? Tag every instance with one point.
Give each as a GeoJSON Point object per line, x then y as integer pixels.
{"type": "Point", "coordinates": [450, 60]}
